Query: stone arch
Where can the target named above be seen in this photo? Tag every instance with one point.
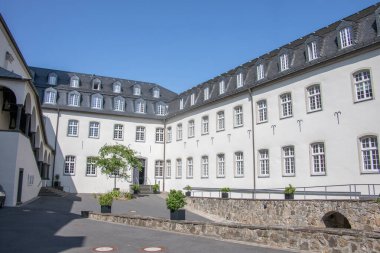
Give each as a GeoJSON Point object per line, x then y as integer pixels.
{"type": "Point", "coordinates": [8, 107]}
{"type": "Point", "coordinates": [334, 219]}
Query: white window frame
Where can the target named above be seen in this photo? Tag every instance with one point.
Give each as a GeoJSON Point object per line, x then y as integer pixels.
{"type": "Point", "coordinates": [159, 135]}
{"type": "Point", "coordinates": [181, 104]}
{"type": "Point", "coordinates": [238, 116]}
{"type": "Point", "coordinates": [74, 82]}
{"type": "Point", "coordinates": [314, 98]}
{"type": "Point", "coordinates": [94, 130]}
{"type": "Point", "coordinates": [222, 87]}
{"type": "Point", "coordinates": [118, 132]}
{"type": "Point", "coordinates": [50, 96]}
{"type": "Point", "coordinates": [284, 62]}
{"type": "Point", "coordinates": [156, 92]}
{"type": "Point", "coordinates": [97, 102]}
{"type": "Point", "coordinates": [345, 36]}
{"type": "Point", "coordinates": [168, 169]}
{"type": "Point", "coordinates": [179, 132]}
{"type": "Point", "coordinates": [192, 99]}
{"type": "Point", "coordinates": [205, 125]}
{"type": "Point", "coordinates": [318, 159]}
{"type": "Point", "coordinates": [239, 80]}
{"type": "Point", "coordinates": [204, 167]}
{"type": "Point", "coordinates": [160, 109]}
{"type": "Point", "coordinates": [73, 99]}
{"type": "Point", "coordinates": [137, 90]}
{"type": "Point", "coordinates": [140, 134]}
{"type": "Point", "coordinates": [73, 128]}
{"type": "Point", "coordinates": [369, 154]}
{"type": "Point", "coordinates": [220, 121]}
{"type": "Point", "coordinates": [190, 167]}
{"type": "Point", "coordinates": [140, 106]}
{"type": "Point", "coordinates": [90, 167]}
{"type": "Point", "coordinates": [312, 50]}
{"type": "Point", "coordinates": [118, 104]}
{"type": "Point", "coordinates": [96, 84]}
{"type": "Point", "coordinates": [262, 111]}
{"type": "Point", "coordinates": [191, 129]}
{"type": "Point", "coordinates": [260, 72]}
{"type": "Point", "coordinates": [288, 161]}
{"type": "Point", "coordinates": [116, 87]}
{"type": "Point", "coordinates": [286, 105]}
{"type": "Point", "coordinates": [206, 93]}
{"type": "Point", "coordinates": [69, 166]}
{"type": "Point", "coordinates": [169, 134]}
{"type": "Point", "coordinates": [52, 79]}
{"type": "Point", "coordinates": [159, 169]}
{"type": "Point", "coordinates": [362, 85]}
{"type": "Point", "coordinates": [220, 165]}
{"type": "Point", "coordinates": [239, 164]}
{"type": "Point", "coordinates": [178, 171]}
{"type": "Point", "coordinates": [263, 163]}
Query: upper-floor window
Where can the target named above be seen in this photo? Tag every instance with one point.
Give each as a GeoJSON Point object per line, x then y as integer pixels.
{"type": "Point", "coordinates": [260, 72]}
{"type": "Point", "coordinates": [192, 99]}
{"type": "Point", "coordinates": [220, 165]}
{"type": "Point", "coordinates": [181, 104]}
{"type": "Point", "coordinates": [159, 135]}
{"type": "Point", "coordinates": [8, 60]}
{"type": "Point", "coordinates": [179, 132]}
{"type": "Point", "coordinates": [369, 154]}
{"type": "Point", "coordinates": [72, 128]}
{"type": "Point", "coordinates": [73, 98]}
{"type": "Point", "coordinates": [286, 105]}
{"type": "Point", "coordinates": [91, 167]}
{"type": "Point", "coordinates": [74, 82]}
{"type": "Point", "coordinates": [314, 101]}
{"type": "Point", "coordinates": [118, 132]}
{"type": "Point", "coordinates": [190, 168]}
{"type": "Point", "coordinates": [169, 134]}
{"type": "Point", "coordinates": [238, 116]}
{"type": "Point", "coordinates": [97, 101]}
{"type": "Point", "coordinates": [116, 87]}
{"type": "Point", "coordinates": [96, 84]}
{"type": "Point", "coordinates": [52, 79]}
{"type": "Point", "coordinates": [312, 50]}
{"type": "Point", "coordinates": [239, 80]}
{"type": "Point", "coordinates": [140, 106]}
{"type": "Point", "coordinates": [206, 93]}
{"type": "Point", "coordinates": [263, 163]}
{"type": "Point", "coordinates": [168, 168]}
{"type": "Point", "coordinates": [69, 165]}
{"type": "Point", "coordinates": [284, 62]}
{"type": "Point", "coordinates": [205, 125]}
{"type": "Point", "coordinates": [161, 109]}
{"type": "Point", "coordinates": [239, 164]}
{"type": "Point", "coordinates": [362, 85]}
{"type": "Point", "coordinates": [159, 168]}
{"type": "Point", "coordinates": [156, 92]}
{"type": "Point", "coordinates": [178, 168]}
{"type": "Point", "coordinates": [318, 158]}
{"type": "Point", "coordinates": [222, 87]}
{"type": "Point", "coordinates": [140, 133]}
{"type": "Point", "coordinates": [118, 104]}
{"type": "Point", "coordinates": [220, 121]}
{"type": "Point", "coordinates": [345, 37]}
{"type": "Point", "coordinates": [93, 131]}
{"type": "Point", "coordinates": [191, 129]}
{"type": "Point", "coordinates": [136, 90]}
{"type": "Point", "coordinates": [262, 111]}
{"type": "Point", "coordinates": [204, 167]}
{"type": "Point", "coordinates": [288, 158]}
{"type": "Point", "coordinates": [50, 96]}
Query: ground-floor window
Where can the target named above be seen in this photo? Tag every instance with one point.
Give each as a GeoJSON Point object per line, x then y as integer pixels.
{"type": "Point", "coordinates": [91, 167]}
{"type": "Point", "coordinates": [69, 165]}
{"type": "Point", "coordinates": [159, 168]}
{"type": "Point", "coordinates": [264, 162]}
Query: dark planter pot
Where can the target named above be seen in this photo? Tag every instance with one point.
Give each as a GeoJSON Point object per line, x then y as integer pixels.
{"type": "Point", "coordinates": [156, 192]}
{"type": "Point", "coordinates": [105, 209]}
{"type": "Point", "coordinates": [178, 215]}
{"type": "Point", "coordinates": [224, 195]}
{"type": "Point", "coordinates": [188, 194]}
{"type": "Point", "coordinates": [60, 188]}
{"type": "Point", "coordinates": [135, 191]}
{"type": "Point", "coordinates": [289, 195]}
{"type": "Point", "coordinates": [57, 184]}
{"type": "Point", "coordinates": [85, 214]}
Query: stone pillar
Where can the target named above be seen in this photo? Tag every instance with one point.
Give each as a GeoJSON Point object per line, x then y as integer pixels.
{"type": "Point", "coordinates": [36, 153]}
{"type": "Point", "coordinates": [27, 124]}
{"type": "Point", "coordinates": [18, 118]}
{"type": "Point", "coordinates": [40, 167]}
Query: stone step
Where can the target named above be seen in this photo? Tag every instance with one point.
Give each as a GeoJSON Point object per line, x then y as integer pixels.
{"type": "Point", "coordinates": [51, 192]}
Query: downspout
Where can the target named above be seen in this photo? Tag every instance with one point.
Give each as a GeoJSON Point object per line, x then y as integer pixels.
{"type": "Point", "coordinates": [55, 146]}
{"type": "Point", "coordinates": [253, 143]}
{"type": "Point", "coordinates": [164, 167]}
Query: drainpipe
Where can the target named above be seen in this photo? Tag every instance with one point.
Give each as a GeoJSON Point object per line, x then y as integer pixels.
{"type": "Point", "coordinates": [253, 143]}
{"type": "Point", "coordinates": [55, 145]}
{"type": "Point", "coordinates": [164, 167]}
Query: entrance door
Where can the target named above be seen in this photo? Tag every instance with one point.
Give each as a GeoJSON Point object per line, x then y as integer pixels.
{"type": "Point", "coordinates": [19, 188]}
{"type": "Point", "coordinates": [139, 176]}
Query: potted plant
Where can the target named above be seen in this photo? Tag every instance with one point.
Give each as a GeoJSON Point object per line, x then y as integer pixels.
{"type": "Point", "coordinates": [188, 190]}
{"type": "Point", "coordinates": [135, 188]}
{"type": "Point", "coordinates": [156, 188]}
{"type": "Point", "coordinates": [105, 201]}
{"type": "Point", "coordinates": [225, 191]}
{"type": "Point", "coordinates": [289, 192]}
{"type": "Point", "coordinates": [174, 202]}
{"type": "Point", "coordinates": [56, 181]}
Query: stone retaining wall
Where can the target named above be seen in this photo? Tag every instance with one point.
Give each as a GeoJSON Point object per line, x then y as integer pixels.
{"type": "Point", "coordinates": [308, 239]}
{"type": "Point", "coordinates": [362, 215]}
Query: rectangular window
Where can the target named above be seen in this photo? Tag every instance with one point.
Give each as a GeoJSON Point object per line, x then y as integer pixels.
{"type": "Point", "coordinates": [93, 132]}
{"type": "Point", "coordinates": [179, 168]}
{"type": "Point", "coordinates": [262, 112]}
{"type": "Point", "coordinates": [72, 129]}
{"type": "Point", "coordinates": [159, 169]}
{"type": "Point", "coordinates": [97, 102]}
{"type": "Point", "coordinates": [50, 97]}
{"type": "Point", "coordinates": [318, 159]}
{"type": "Point", "coordinates": [140, 133]}
{"type": "Point", "coordinates": [118, 104]}
{"type": "Point", "coordinates": [181, 104]}
{"type": "Point", "coordinates": [160, 109]}
{"type": "Point", "coordinates": [220, 121]}
{"type": "Point", "coordinates": [168, 168]}
{"type": "Point", "coordinates": [312, 50]}
{"type": "Point", "coordinates": [369, 154]}
{"type": "Point", "coordinates": [189, 168]}
{"type": "Point", "coordinates": [179, 132]}
{"type": "Point", "coordinates": [118, 131]}
{"type": "Point", "coordinates": [260, 72]}
{"type": "Point", "coordinates": [284, 62]}
{"type": "Point", "coordinates": [169, 134]}
{"type": "Point", "coordinates": [286, 105]}
{"type": "Point", "coordinates": [73, 99]}
{"type": "Point", "coordinates": [159, 135]}
{"type": "Point", "coordinates": [239, 164]}
{"type": "Point", "coordinates": [91, 167]}
{"type": "Point", "coordinates": [69, 165]}
{"type": "Point", "coordinates": [191, 128]}
{"type": "Point", "coordinates": [288, 161]}
{"type": "Point", "coordinates": [204, 167]}
{"type": "Point", "coordinates": [222, 87]}
{"type": "Point", "coordinates": [220, 165]}
{"type": "Point", "coordinates": [345, 37]}
{"type": "Point", "coordinates": [314, 98]}
{"type": "Point", "coordinates": [264, 162]}
{"type": "Point", "coordinates": [205, 125]}
{"type": "Point", "coordinates": [192, 99]}
{"type": "Point", "coordinates": [238, 116]}
{"type": "Point", "coordinates": [363, 86]}
{"type": "Point", "coordinates": [206, 93]}
{"type": "Point", "coordinates": [140, 107]}
{"type": "Point", "coordinates": [239, 80]}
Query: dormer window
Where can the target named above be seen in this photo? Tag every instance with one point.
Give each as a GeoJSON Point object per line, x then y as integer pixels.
{"type": "Point", "coordinates": [97, 101]}
{"type": "Point", "coordinates": [156, 92]}
{"type": "Point", "coordinates": [137, 90]}
{"type": "Point", "coordinates": [50, 96]}
{"type": "Point", "coordinates": [52, 79]}
{"type": "Point", "coordinates": [73, 98]}
{"type": "Point", "coordinates": [239, 80]}
{"type": "Point", "coordinates": [118, 104]}
{"type": "Point", "coordinates": [192, 99]}
{"type": "Point", "coordinates": [222, 87]}
{"type": "Point", "coordinates": [116, 87]}
{"type": "Point", "coordinates": [284, 62]}
{"type": "Point", "coordinates": [96, 84]}
{"type": "Point", "coordinates": [206, 93]}
{"type": "Point", "coordinates": [140, 106]}
{"type": "Point", "coordinates": [377, 13]}
{"type": "Point", "coordinates": [74, 82]}
{"type": "Point", "coordinates": [260, 72]}
{"type": "Point", "coordinates": [181, 104]}
{"type": "Point", "coordinates": [312, 50]}
{"type": "Point", "coordinates": [161, 109]}
{"type": "Point", "coordinates": [345, 37]}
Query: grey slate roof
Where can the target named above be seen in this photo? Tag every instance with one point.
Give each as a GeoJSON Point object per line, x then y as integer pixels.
{"type": "Point", "coordinates": [7, 74]}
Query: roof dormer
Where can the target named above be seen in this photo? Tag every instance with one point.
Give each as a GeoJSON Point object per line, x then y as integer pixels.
{"type": "Point", "coordinates": [137, 90]}
{"type": "Point", "coordinates": [116, 87]}
{"type": "Point", "coordinates": [96, 84]}
{"type": "Point", "coordinates": [345, 34]}
{"type": "Point", "coordinates": [156, 92]}
{"type": "Point", "coordinates": [74, 81]}
{"type": "Point", "coordinates": [52, 79]}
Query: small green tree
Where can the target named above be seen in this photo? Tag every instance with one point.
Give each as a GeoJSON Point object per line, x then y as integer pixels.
{"type": "Point", "coordinates": [117, 160]}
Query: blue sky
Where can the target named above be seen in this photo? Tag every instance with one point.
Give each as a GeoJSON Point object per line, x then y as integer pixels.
{"type": "Point", "coordinates": [177, 44]}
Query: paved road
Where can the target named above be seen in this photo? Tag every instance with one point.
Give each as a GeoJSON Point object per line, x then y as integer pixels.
{"type": "Point", "coordinates": [52, 224]}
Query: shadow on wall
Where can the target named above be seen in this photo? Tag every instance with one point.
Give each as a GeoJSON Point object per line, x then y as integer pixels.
{"type": "Point", "coordinates": [335, 220]}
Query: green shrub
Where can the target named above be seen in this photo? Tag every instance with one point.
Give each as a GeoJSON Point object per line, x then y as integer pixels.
{"type": "Point", "coordinates": [187, 188]}
{"type": "Point", "coordinates": [225, 189]}
{"type": "Point", "coordinates": [106, 199]}
{"type": "Point", "coordinates": [377, 200]}
{"type": "Point", "coordinates": [127, 195]}
{"type": "Point", "coordinates": [116, 194]}
{"type": "Point", "coordinates": [135, 187]}
{"type": "Point", "coordinates": [156, 188]}
{"type": "Point", "coordinates": [175, 200]}
{"type": "Point", "coordinates": [289, 189]}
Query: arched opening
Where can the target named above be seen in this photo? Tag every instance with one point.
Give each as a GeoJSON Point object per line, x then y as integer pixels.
{"type": "Point", "coordinates": [8, 113]}
{"type": "Point", "coordinates": [335, 220]}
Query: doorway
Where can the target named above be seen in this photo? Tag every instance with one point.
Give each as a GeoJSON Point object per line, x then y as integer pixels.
{"type": "Point", "coordinates": [19, 188]}
{"type": "Point", "coordinates": [139, 176]}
